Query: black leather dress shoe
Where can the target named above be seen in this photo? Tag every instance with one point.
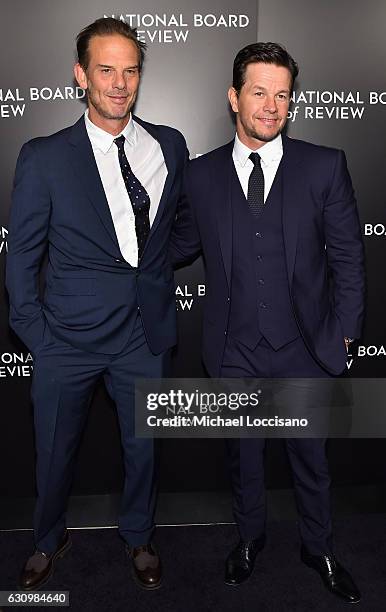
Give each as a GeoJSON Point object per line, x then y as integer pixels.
{"type": "Point", "coordinates": [335, 577]}
{"type": "Point", "coordinates": [146, 566]}
{"type": "Point", "coordinates": [39, 568]}
{"type": "Point", "coordinates": [239, 564]}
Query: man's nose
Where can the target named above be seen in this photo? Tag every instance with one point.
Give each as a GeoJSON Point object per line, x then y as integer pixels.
{"type": "Point", "coordinates": [270, 104]}
{"type": "Point", "coordinates": [119, 80]}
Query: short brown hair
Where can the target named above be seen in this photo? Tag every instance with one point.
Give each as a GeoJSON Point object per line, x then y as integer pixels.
{"type": "Point", "coordinates": [266, 53]}
{"type": "Point", "coordinates": [106, 26]}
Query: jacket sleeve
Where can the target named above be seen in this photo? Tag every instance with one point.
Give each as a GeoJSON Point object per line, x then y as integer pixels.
{"type": "Point", "coordinates": [185, 243]}
{"type": "Point", "coordinates": [344, 248]}
{"type": "Point", "coordinates": [28, 231]}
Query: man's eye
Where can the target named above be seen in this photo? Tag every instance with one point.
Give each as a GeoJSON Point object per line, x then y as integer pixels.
{"type": "Point", "coordinates": [282, 97]}
{"type": "Point", "coordinates": [106, 70]}
{"type": "Point", "coordinates": [259, 94]}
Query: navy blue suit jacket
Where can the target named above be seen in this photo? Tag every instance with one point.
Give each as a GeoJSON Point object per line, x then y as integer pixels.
{"type": "Point", "coordinates": [91, 294]}
{"type": "Point", "coordinates": [322, 238]}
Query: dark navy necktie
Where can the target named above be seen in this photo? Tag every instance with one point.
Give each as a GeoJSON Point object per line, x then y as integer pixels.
{"type": "Point", "coordinates": [138, 195]}
{"type": "Point", "coordinates": [256, 186]}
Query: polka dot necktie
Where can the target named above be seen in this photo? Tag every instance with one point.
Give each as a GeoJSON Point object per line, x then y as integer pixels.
{"type": "Point", "coordinates": [138, 195]}
{"type": "Point", "coordinates": [256, 186]}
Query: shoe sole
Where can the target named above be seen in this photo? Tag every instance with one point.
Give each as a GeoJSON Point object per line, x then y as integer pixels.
{"type": "Point", "coordinates": [237, 584]}
{"type": "Point", "coordinates": [58, 555]}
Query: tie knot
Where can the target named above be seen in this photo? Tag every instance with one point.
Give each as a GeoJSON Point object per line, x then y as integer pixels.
{"type": "Point", "coordinates": [255, 159]}
{"type": "Point", "coordinates": [120, 141]}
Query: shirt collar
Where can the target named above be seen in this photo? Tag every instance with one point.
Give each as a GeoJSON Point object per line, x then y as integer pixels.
{"type": "Point", "coordinates": [103, 140]}
{"type": "Point", "coordinates": [269, 152]}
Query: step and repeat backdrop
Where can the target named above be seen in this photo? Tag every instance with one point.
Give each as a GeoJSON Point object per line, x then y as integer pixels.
{"type": "Point", "coordinates": [339, 100]}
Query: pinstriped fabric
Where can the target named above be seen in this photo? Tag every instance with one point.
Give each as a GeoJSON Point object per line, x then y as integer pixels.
{"type": "Point", "coordinates": [138, 196]}
{"type": "Point", "coordinates": [256, 186]}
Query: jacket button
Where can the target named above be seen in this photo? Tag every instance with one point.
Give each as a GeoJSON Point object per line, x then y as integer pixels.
{"type": "Point", "coordinates": [259, 257]}
{"type": "Point", "coordinates": [261, 281]}
{"type": "Point", "coordinates": [263, 305]}
{"type": "Point", "coordinates": [118, 260]}
{"type": "Point", "coordinates": [258, 235]}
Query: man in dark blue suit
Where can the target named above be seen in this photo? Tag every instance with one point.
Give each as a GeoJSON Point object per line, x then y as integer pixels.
{"type": "Point", "coordinates": [277, 223]}
{"type": "Point", "coordinates": [101, 197]}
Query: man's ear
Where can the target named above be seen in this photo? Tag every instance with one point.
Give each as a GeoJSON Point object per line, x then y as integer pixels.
{"type": "Point", "coordinates": [80, 76]}
{"type": "Point", "coordinates": [233, 99]}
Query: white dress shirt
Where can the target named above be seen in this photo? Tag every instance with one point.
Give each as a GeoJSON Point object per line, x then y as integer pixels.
{"type": "Point", "coordinates": [148, 164]}
{"type": "Point", "coordinates": [270, 153]}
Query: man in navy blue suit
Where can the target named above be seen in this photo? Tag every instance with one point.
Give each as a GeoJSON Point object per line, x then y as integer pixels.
{"type": "Point", "coordinates": [277, 224]}
{"type": "Point", "coordinates": [100, 197]}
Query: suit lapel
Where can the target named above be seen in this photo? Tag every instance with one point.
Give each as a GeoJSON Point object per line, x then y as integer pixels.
{"type": "Point", "coordinates": [168, 152]}
{"type": "Point", "coordinates": [83, 161]}
{"type": "Point", "coordinates": [223, 189]}
{"type": "Point", "coordinates": [292, 197]}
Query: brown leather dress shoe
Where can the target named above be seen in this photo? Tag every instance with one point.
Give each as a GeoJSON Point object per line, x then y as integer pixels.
{"type": "Point", "coordinates": [146, 566]}
{"type": "Point", "coordinates": [39, 568]}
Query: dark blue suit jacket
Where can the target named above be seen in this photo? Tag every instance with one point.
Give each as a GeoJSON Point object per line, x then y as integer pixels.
{"type": "Point", "coordinates": [91, 294]}
{"type": "Point", "coordinates": [322, 238]}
